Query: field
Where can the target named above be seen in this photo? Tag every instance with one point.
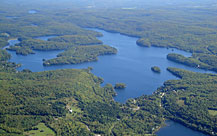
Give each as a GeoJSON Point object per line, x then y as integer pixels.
{"type": "Point", "coordinates": [40, 130]}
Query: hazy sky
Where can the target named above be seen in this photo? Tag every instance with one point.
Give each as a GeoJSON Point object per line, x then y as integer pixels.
{"type": "Point", "coordinates": [116, 3]}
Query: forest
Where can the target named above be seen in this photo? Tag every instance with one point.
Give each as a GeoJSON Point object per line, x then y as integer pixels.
{"type": "Point", "coordinates": [81, 54]}
{"type": "Point", "coordinates": [189, 61]}
{"type": "Point", "coordinates": [27, 45]}
{"type": "Point", "coordinates": [120, 86]}
{"type": "Point", "coordinates": [191, 100]}
{"type": "Point", "coordinates": [72, 102]}
{"type": "Point", "coordinates": [198, 60]}
{"type": "Point", "coordinates": [21, 50]}
{"type": "Point", "coordinates": [156, 69]}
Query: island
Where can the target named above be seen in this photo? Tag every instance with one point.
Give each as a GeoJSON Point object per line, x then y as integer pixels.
{"type": "Point", "coordinates": [155, 69]}
{"type": "Point", "coordinates": [21, 50]}
{"type": "Point", "coordinates": [120, 85]}
{"type": "Point", "coordinates": [80, 54]}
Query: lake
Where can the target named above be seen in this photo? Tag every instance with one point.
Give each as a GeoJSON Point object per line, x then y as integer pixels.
{"type": "Point", "coordinates": [131, 65]}
{"type": "Point", "coordinates": [32, 11]}
{"type": "Point", "coordinates": [175, 129]}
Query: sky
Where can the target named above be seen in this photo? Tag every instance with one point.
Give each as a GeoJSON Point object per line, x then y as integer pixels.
{"type": "Point", "coordinates": [117, 3]}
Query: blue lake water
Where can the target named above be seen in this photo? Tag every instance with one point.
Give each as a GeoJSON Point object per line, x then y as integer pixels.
{"type": "Point", "coordinates": [11, 17]}
{"type": "Point", "coordinates": [11, 43]}
{"type": "Point", "coordinates": [32, 11]}
{"type": "Point", "coordinates": [175, 129]}
{"type": "Point", "coordinates": [34, 25]}
{"type": "Point", "coordinates": [45, 38]}
{"type": "Point", "coordinates": [131, 65]}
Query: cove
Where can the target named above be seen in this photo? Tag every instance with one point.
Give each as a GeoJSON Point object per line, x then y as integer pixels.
{"type": "Point", "coordinates": [175, 129]}
{"type": "Point", "coordinates": [132, 65]}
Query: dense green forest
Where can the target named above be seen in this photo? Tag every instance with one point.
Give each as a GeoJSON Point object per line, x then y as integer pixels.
{"type": "Point", "coordinates": [189, 61]}
{"type": "Point", "coordinates": [77, 39]}
{"type": "Point", "coordinates": [4, 65]}
{"type": "Point", "coordinates": [37, 44]}
{"type": "Point", "coordinates": [4, 55]}
{"type": "Point", "coordinates": [120, 86]}
{"type": "Point", "coordinates": [71, 102]}
{"type": "Point", "coordinates": [27, 45]}
{"type": "Point", "coordinates": [58, 43]}
{"type": "Point", "coordinates": [198, 60]}
{"type": "Point", "coordinates": [156, 69]}
{"type": "Point", "coordinates": [3, 41]}
{"type": "Point", "coordinates": [191, 100]}
{"type": "Point", "coordinates": [80, 54]}
{"type": "Point", "coordinates": [21, 50]}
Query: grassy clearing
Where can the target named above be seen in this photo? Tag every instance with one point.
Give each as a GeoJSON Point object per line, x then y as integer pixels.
{"type": "Point", "coordinates": [41, 130]}
{"type": "Point", "coordinates": [212, 112]}
{"type": "Point", "coordinates": [75, 109]}
{"type": "Point", "coordinates": [73, 113]}
{"type": "Point", "coordinates": [181, 102]}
